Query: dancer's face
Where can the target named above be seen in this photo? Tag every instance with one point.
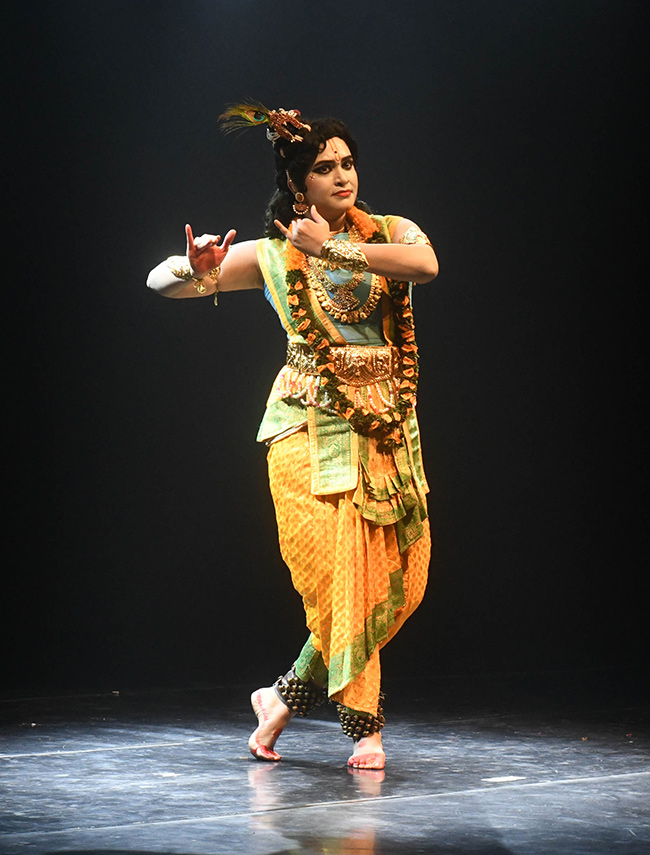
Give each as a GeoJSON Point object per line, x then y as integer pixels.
{"type": "Point", "coordinates": [332, 182]}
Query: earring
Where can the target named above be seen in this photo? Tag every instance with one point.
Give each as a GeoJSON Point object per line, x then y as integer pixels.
{"type": "Point", "coordinates": [299, 206]}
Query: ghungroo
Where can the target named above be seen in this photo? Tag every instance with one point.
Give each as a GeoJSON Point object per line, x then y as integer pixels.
{"type": "Point", "coordinates": [356, 725]}
{"type": "Point", "coordinates": [300, 697]}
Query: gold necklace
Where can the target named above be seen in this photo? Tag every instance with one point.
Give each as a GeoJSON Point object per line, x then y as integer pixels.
{"type": "Point", "coordinates": [343, 306]}
{"type": "Point", "coordinates": [342, 296]}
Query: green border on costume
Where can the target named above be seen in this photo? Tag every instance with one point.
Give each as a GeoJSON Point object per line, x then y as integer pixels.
{"type": "Point", "coordinates": [352, 661]}
{"type": "Point", "coordinates": [345, 666]}
{"type": "Point", "coordinates": [310, 665]}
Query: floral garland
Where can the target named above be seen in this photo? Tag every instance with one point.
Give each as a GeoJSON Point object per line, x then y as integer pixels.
{"type": "Point", "coordinates": [385, 427]}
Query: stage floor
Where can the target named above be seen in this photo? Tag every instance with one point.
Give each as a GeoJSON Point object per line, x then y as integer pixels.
{"type": "Point", "coordinates": [534, 765]}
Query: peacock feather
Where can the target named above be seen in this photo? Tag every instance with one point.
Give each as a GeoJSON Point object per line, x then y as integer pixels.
{"type": "Point", "coordinates": [244, 116]}
{"type": "Point", "coordinates": [250, 113]}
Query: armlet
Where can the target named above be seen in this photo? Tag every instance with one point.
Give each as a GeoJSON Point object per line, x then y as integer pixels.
{"type": "Point", "coordinates": [414, 235]}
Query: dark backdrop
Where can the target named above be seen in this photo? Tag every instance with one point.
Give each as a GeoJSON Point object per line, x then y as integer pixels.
{"type": "Point", "coordinates": [141, 545]}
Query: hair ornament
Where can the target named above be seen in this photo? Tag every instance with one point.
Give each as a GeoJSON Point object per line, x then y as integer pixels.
{"type": "Point", "coordinates": [253, 113]}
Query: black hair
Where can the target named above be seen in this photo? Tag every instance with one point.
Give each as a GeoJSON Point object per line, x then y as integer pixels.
{"type": "Point", "coordinates": [297, 159]}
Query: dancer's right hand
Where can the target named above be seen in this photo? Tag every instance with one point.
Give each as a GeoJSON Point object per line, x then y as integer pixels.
{"type": "Point", "coordinates": [204, 253]}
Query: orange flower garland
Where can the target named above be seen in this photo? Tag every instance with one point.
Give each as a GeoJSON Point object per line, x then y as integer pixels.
{"type": "Point", "coordinates": [385, 427]}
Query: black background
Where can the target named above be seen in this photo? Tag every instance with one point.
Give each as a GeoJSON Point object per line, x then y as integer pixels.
{"type": "Point", "coordinates": [141, 544]}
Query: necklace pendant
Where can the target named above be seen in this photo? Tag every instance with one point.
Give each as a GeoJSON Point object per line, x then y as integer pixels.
{"type": "Point", "coordinates": [343, 298]}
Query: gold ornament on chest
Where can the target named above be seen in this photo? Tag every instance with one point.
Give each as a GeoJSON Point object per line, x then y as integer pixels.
{"type": "Point", "coordinates": [342, 295]}
{"type": "Point", "coordinates": [342, 304]}
{"type": "Point", "coordinates": [338, 299]}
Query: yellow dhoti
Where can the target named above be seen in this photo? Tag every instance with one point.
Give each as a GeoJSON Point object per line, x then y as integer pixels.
{"type": "Point", "coordinates": [356, 586]}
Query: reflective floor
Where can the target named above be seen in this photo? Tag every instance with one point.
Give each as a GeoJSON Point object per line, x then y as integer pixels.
{"type": "Point", "coordinates": [535, 765]}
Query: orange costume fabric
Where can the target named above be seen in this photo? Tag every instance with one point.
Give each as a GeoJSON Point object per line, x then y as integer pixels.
{"type": "Point", "coordinates": [357, 588]}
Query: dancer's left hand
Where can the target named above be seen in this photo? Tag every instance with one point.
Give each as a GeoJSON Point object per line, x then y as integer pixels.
{"type": "Point", "coordinates": [308, 233]}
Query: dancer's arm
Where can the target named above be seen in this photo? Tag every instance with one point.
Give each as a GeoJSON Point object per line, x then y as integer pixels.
{"type": "Point", "coordinates": [404, 262]}
{"type": "Point", "coordinates": [238, 262]}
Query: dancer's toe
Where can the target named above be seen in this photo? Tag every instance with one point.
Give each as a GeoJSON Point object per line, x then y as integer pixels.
{"type": "Point", "coordinates": [371, 760]}
{"type": "Point", "coordinates": [261, 751]}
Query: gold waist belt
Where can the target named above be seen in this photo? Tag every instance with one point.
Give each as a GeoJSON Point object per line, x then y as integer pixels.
{"type": "Point", "coordinates": [354, 364]}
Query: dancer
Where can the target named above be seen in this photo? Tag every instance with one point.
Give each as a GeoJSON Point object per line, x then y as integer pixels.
{"type": "Point", "coordinates": [344, 459]}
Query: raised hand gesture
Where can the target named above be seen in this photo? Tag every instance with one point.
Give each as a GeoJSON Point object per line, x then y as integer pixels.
{"type": "Point", "coordinates": [307, 234]}
{"type": "Point", "coordinates": [204, 253]}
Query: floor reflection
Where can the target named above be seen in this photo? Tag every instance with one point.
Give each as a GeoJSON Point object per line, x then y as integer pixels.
{"type": "Point", "coordinates": [271, 799]}
{"type": "Point", "coordinates": [265, 790]}
{"type": "Point", "coordinates": [368, 781]}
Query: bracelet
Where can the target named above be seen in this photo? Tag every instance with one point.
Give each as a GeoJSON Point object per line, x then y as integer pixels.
{"type": "Point", "coordinates": [179, 265]}
{"type": "Point", "coordinates": [214, 275]}
{"type": "Point", "coordinates": [343, 254]}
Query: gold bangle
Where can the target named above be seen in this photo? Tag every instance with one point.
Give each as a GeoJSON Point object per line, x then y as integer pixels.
{"type": "Point", "coordinates": [343, 254]}
{"type": "Point", "coordinates": [212, 274]}
{"type": "Point", "coordinates": [179, 265]}
{"type": "Point", "coordinates": [200, 285]}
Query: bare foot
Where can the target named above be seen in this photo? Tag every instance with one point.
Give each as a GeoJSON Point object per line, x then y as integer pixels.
{"type": "Point", "coordinates": [273, 716]}
{"type": "Point", "coordinates": [368, 753]}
